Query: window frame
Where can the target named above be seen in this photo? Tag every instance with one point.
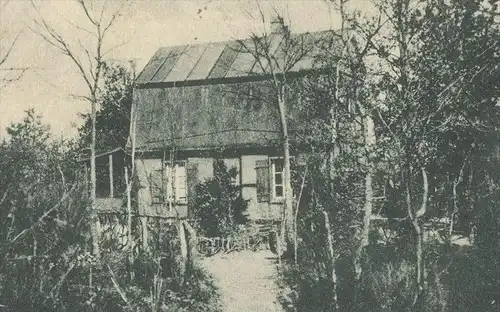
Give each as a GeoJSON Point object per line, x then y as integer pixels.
{"type": "Point", "coordinates": [179, 199]}
{"type": "Point", "coordinates": [273, 184]}
{"type": "Point", "coordinates": [166, 187]}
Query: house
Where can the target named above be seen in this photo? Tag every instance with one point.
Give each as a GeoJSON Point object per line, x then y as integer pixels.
{"type": "Point", "coordinates": [197, 102]}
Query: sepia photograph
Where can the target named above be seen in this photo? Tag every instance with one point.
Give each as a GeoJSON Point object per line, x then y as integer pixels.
{"type": "Point", "coordinates": [249, 155]}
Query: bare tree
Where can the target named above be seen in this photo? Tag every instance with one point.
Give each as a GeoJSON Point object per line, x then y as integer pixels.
{"type": "Point", "coordinates": [89, 61]}
{"type": "Point", "coordinates": [426, 99]}
{"type": "Point", "coordinates": [8, 74]}
{"type": "Point", "coordinates": [276, 54]}
{"type": "Point", "coordinates": [352, 78]}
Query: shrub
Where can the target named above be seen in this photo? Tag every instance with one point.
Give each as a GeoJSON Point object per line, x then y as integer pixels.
{"type": "Point", "coordinates": [219, 207]}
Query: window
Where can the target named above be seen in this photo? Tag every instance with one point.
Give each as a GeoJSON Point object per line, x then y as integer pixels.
{"type": "Point", "coordinates": [277, 174]}
{"type": "Point", "coordinates": [180, 182]}
{"type": "Point", "coordinates": [168, 184]}
{"type": "Point", "coordinates": [270, 179]}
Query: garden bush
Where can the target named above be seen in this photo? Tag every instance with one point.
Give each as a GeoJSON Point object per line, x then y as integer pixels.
{"type": "Point", "coordinates": [219, 207]}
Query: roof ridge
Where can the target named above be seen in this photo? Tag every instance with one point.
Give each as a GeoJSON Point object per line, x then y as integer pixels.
{"type": "Point", "coordinates": [234, 40]}
{"type": "Point", "coordinates": [216, 59]}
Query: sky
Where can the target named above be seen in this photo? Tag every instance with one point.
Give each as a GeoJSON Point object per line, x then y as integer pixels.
{"type": "Point", "coordinates": [52, 80]}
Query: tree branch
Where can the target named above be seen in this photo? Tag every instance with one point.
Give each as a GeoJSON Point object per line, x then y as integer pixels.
{"type": "Point", "coordinates": [43, 216]}
{"type": "Point", "coordinates": [4, 58]}
{"type": "Point", "coordinates": [423, 207]}
{"type": "Point", "coordinates": [87, 12]}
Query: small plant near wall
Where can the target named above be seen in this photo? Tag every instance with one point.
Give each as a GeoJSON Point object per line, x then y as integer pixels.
{"type": "Point", "coordinates": [219, 207]}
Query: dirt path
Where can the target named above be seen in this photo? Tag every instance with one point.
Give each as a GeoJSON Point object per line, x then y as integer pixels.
{"type": "Point", "coordinates": [245, 280]}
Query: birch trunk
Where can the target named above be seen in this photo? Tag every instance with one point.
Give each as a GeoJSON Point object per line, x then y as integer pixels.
{"type": "Point", "coordinates": [369, 141]}
{"type": "Point", "coordinates": [288, 214]}
{"type": "Point", "coordinates": [295, 218]}
{"type": "Point", "coordinates": [130, 182]}
{"type": "Point", "coordinates": [183, 250]}
{"type": "Point", "coordinates": [332, 258]}
{"type": "Point", "coordinates": [94, 219]}
{"type": "Point", "coordinates": [130, 244]}
{"type": "Point", "coordinates": [192, 241]}
{"type": "Point", "coordinates": [456, 182]}
{"type": "Point", "coordinates": [416, 222]}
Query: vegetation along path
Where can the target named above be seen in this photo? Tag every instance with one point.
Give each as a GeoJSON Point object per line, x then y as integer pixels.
{"type": "Point", "coordinates": [246, 280]}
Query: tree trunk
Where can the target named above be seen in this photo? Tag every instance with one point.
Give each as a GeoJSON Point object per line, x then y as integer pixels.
{"type": "Point", "coordinates": [111, 184]}
{"type": "Point", "coordinates": [130, 183]}
{"type": "Point", "coordinates": [129, 208]}
{"type": "Point", "coordinates": [184, 250]}
{"type": "Point", "coordinates": [295, 234]}
{"type": "Point", "coordinates": [416, 222]}
{"type": "Point", "coordinates": [367, 208]}
{"type": "Point", "coordinates": [453, 213]}
{"type": "Point", "coordinates": [456, 182]}
{"type": "Point", "coordinates": [192, 241]}
{"type": "Point", "coordinates": [94, 219]}
{"type": "Point", "coordinates": [332, 260]}
{"type": "Point", "coordinates": [369, 141]}
{"type": "Point", "coordinates": [420, 262]}
{"type": "Point", "coordinates": [129, 222]}
{"type": "Point", "coordinates": [288, 214]}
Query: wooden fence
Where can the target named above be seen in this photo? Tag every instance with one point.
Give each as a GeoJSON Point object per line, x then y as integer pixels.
{"type": "Point", "coordinates": [261, 237]}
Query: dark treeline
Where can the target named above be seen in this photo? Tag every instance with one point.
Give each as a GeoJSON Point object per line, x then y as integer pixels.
{"type": "Point", "coordinates": [46, 261]}
{"type": "Point", "coordinates": [404, 162]}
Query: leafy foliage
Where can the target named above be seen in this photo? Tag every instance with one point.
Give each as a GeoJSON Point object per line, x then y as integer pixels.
{"type": "Point", "coordinates": [218, 204]}
{"type": "Point", "coordinates": [112, 125]}
{"type": "Point", "coordinates": [113, 116]}
{"type": "Point", "coordinates": [429, 86]}
{"type": "Point", "coordinates": [44, 240]}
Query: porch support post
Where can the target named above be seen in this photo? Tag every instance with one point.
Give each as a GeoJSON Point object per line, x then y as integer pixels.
{"type": "Point", "coordinates": [111, 188]}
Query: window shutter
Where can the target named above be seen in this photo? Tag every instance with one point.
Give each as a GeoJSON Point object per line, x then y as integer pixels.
{"type": "Point", "coordinates": [262, 170]}
{"type": "Point", "coordinates": [156, 186]}
{"type": "Point", "coordinates": [192, 180]}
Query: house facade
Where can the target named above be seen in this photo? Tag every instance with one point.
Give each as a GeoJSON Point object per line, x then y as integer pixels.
{"type": "Point", "coordinates": [195, 103]}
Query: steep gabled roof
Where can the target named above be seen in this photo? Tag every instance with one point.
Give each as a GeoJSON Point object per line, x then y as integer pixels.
{"type": "Point", "coordinates": [229, 59]}
{"type": "Point", "coordinates": [215, 95]}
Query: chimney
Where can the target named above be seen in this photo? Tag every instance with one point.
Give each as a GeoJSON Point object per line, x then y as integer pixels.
{"type": "Point", "coordinates": [278, 25]}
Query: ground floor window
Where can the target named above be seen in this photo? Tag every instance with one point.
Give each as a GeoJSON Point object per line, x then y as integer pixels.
{"type": "Point", "coordinates": [277, 174]}
{"type": "Point", "coordinates": [270, 179]}
{"type": "Point", "coordinates": [168, 184]}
